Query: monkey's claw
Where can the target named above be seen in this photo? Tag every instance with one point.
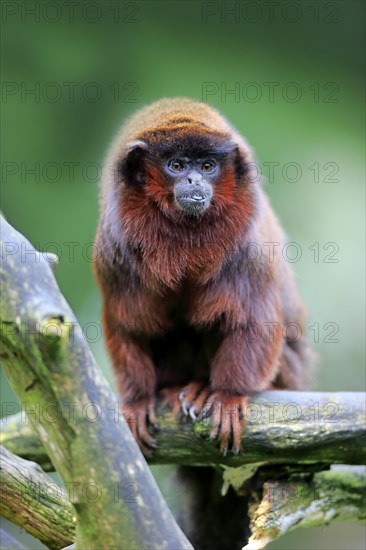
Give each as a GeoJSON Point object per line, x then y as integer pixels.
{"type": "Point", "coordinates": [192, 399]}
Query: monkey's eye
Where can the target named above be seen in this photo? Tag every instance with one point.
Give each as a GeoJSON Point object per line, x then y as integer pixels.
{"type": "Point", "coordinates": [176, 165]}
{"type": "Point", "coordinates": [208, 166]}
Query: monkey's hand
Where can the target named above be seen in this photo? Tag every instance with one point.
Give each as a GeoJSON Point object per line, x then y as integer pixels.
{"type": "Point", "coordinates": [170, 398]}
{"type": "Point", "coordinates": [138, 415]}
{"type": "Point", "coordinates": [192, 399]}
{"type": "Point", "coordinates": [227, 418]}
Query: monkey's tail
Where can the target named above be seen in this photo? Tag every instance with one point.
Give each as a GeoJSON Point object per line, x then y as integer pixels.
{"type": "Point", "coordinates": [210, 520]}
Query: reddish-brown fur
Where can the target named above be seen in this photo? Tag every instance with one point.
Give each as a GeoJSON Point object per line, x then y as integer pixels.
{"type": "Point", "coordinates": [182, 300]}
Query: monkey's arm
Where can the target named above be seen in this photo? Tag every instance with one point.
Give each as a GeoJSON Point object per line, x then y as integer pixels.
{"type": "Point", "coordinates": [131, 314]}
{"type": "Point", "coordinates": [247, 359]}
{"type": "Point", "coordinates": [246, 362]}
{"type": "Point", "coordinates": [135, 377]}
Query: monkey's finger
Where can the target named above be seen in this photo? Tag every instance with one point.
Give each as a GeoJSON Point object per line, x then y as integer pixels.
{"type": "Point", "coordinates": [147, 439]}
{"type": "Point", "coordinates": [224, 443]}
{"type": "Point", "coordinates": [171, 399]}
{"type": "Point", "coordinates": [237, 428]}
{"type": "Point", "coordinates": [207, 410]}
{"type": "Point", "coordinates": [189, 393]}
{"type": "Point", "coordinates": [243, 409]}
{"type": "Point", "coordinates": [166, 402]}
{"type": "Point", "coordinates": [186, 397]}
{"type": "Point", "coordinates": [185, 406]}
{"type": "Point", "coordinates": [238, 425]}
{"type": "Point", "coordinates": [143, 434]}
{"type": "Point", "coordinates": [182, 394]}
{"type": "Point", "coordinates": [197, 406]}
{"type": "Point", "coordinates": [216, 419]}
{"type": "Point", "coordinates": [146, 451]}
{"type": "Point", "coordinates": [152, 417]}
{"type": "Point", "coordinates": [225, 430]}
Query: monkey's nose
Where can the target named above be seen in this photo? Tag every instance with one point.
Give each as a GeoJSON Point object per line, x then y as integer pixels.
{"type": "Point", "coordinates": [194, 177]}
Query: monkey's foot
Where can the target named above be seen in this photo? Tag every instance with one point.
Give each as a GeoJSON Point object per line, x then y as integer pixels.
{"type": "Point", "coordinates": [228, 418]}
{"type": "Point", "coordinates": [193, 398]}
{"type": "Point", "coordinates": [138, 415]}
{"type": "Point", "coordinates": [171, 398]}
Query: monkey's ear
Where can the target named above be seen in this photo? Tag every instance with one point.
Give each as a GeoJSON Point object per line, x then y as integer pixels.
{"type": "Point", "coordinates": [131, 167]}
{"type": "Point", "coordinates": [241, 162]}
{"type": "Point", "coordinates": [232, 148]}
{"type": "Point", "coordinates": [137, 145]}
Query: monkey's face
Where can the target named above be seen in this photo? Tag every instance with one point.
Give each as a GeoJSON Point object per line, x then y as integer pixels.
{"type": "Point", "coordinates": [184, 174]}
{"type": "Point", "coordinates": [193, 181]}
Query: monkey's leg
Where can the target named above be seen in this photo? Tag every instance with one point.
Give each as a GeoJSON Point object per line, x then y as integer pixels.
{"type": "Point", "coordinates": [210, 520]}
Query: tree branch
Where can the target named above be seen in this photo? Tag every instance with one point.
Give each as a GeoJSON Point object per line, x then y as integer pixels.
{"type": "Point", "coordinates": [302, 501]}
{"type": "Point", "coordinates": [33, 501]}
{"type": "Point", "coordinates": [282, 428]}
{"type": "Point", "coordinates": [50, 367]}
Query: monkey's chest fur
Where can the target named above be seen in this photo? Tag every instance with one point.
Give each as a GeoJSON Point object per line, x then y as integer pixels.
{"type": "Point", "coordinates": [164, 265]}
{"type": "Point", "coordinates": [168, 251]}
{"type": "Point", "coordinates": [192, 314]}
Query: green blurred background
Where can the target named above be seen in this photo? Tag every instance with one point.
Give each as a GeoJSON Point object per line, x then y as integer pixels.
{"type": "Point", "coordinates": [289, 75]}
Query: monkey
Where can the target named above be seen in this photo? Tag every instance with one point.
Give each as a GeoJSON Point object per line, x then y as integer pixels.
{"type": "Point", "coordinates": [199, 303]}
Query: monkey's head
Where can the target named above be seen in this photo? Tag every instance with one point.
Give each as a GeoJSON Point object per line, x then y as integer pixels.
{"type": "Point", "coordinates": [188, 161]}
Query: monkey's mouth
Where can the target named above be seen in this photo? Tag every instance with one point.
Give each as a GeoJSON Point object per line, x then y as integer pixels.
{"type": "Point", "coordinates": [195, 199]}
{"type": "Point", "coordinates": [193, 206]}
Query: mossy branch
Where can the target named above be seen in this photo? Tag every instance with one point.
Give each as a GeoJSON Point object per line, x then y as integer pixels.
{"type": "Point", "coordinates": [32, 500]}
{"type": "Point", "coordinates": [338, 494]}
{"type": "Point", "coordinates": [282, 428]}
